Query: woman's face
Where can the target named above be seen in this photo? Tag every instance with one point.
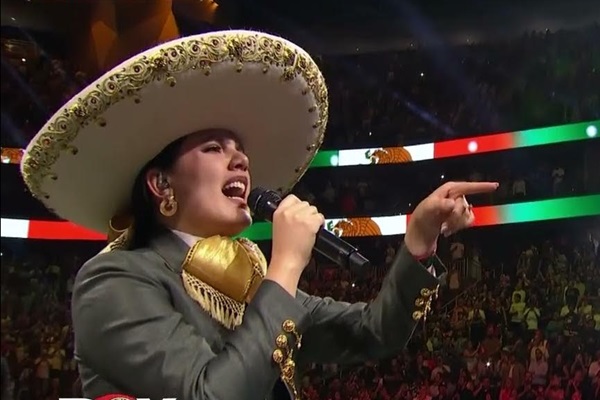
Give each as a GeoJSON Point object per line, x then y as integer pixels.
{"type": "Point", "coordinates": [211, 182]}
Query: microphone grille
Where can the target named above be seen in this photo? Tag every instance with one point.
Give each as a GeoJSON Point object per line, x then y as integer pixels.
{"type": "Point", "coordinates": [254, 197]}
{"type": "Point", "coordinates": [259, 199]}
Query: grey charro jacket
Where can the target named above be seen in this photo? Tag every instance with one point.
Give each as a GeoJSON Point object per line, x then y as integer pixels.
{"type": "Point", "coordinates": [138, 332]}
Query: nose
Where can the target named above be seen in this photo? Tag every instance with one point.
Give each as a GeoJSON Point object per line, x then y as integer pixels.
{"type": "Point", "coordinates": [239, 161]}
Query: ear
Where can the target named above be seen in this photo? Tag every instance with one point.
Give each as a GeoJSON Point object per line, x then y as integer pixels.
{"type": "Point", "coordinates": [157, 183]}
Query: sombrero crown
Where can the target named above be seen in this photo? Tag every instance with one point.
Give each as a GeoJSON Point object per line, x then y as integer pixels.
{"type": "Point", "coordinates": [83, 162]}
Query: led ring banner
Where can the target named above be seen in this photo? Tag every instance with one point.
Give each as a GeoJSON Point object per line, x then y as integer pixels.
{"type": "Point", "coordinates": [457, 147]}
{"type": "Point", "coordinates": [569, 207]}
{"type": "Point", "coordinates": [431, 151]}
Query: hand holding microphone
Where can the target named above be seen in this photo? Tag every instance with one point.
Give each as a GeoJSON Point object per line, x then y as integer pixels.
{"type": "Point", "coordinates": [293, 227]}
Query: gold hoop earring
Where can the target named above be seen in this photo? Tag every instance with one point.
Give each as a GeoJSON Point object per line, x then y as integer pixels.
{"type": "Point", "coordinates": [118, 225]}
{"type": "Point", "coordinates": [168, 206]}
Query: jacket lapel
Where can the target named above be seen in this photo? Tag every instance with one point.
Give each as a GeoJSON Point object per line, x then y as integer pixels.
{"type": "Point", "coordinates": [171, 249]}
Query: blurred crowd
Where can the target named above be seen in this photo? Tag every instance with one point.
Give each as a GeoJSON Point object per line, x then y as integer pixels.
{"type": "Point", "coordinates": [423, 95]}
{"type": "Point", "coordinates": [506, 327]}
{"type": "Point", "coordinates": [509, 325]}
{"type": "Point", "coordinates": [35, 88]}
{"type": "Point", "coordinates": [393, 98]}
{"type": "Point", "coordinates": [528, 328]}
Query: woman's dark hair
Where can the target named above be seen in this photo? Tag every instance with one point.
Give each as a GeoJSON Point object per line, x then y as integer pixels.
{"type": "Point", "coordinates": [143, 209]}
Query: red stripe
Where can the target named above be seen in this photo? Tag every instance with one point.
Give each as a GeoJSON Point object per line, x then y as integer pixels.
{"type": "Point", "coordinates": [474, 145]}
{"type": "Point", "coordinates": [61, 230]}
{"type": "Point", "coordinates": [486, 216]}
{"type": "Point", "coordinates": [115, 396]}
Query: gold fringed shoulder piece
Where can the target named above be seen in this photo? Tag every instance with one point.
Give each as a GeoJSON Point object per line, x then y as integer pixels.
{"type": "Point", "coordinates": [222, 275]}
{"type": "Point", "coordinates": [220, 307]}
{"type": "Point", "coordinates": [259, 266]}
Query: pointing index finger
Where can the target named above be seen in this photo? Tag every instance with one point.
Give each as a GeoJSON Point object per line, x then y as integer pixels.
{"type": "Point", "coordinates": [457, 189]}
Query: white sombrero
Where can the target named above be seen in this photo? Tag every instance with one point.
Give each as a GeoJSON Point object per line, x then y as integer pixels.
{"type": "Point", "coordinates": [83, 162]}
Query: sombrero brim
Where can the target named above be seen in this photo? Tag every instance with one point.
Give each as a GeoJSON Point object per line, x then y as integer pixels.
{"type": "Point", "coordinates": [83, 162]}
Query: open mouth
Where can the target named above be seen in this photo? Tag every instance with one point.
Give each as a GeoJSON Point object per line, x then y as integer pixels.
{"type": "Point", "coordinates": [235, 188]}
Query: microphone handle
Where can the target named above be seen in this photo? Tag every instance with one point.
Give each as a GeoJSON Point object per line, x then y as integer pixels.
{"type": "Point", "coordinates": [330, 246]}
{"type": "Point", "coordinates": [339, 251]}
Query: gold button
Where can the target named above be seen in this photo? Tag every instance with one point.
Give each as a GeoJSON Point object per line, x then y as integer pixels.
{"type": "Point", "coordinates": [417, 315]}
{"type": "Point", "coordinates": [289, 326]}
{"type": "Point", "coordinates": [287, 371]}
{"type": "Point", "coordinates": [278, 356]}
{"type": "Point", "coordinates": [425, 292]}
{"type": "Point", "coordinates": [420, 302]}
{"type": "Point", "coordinates": [281, 341]}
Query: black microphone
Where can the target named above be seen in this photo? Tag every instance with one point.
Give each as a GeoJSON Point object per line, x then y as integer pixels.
{"type": "Point", "coordinates": [264, 202]}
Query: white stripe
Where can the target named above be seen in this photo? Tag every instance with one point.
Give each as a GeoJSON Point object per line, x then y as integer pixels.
{"type": "Point", "coordinates": [421, 152]}
{"type": "Point", "coordinates": [394, 225]}
{"type": "Point", "coordinates": [14, 228]}
{"type": "Point", "coordinates": [355, 157]}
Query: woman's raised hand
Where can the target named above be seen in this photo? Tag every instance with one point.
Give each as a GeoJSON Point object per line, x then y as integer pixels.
{"type": "Point", "coordinates": [295, 227]}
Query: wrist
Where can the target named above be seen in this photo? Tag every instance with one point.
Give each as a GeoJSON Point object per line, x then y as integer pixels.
{"type": "Point", "coordinates": [287, 264]}
{"type": "Point", "coordinates": [285, 274]}
{"type": "Point", "coordinates": [420, 251]}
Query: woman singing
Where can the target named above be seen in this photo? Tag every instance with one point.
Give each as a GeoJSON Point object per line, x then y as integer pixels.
{"type": "Point", "coordinates": [166, 145]}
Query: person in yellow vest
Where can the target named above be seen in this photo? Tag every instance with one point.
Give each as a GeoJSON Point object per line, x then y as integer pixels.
{"type": "Point", "coordinates": [516, 314]}
{"type": "Point", "coordinates": [176, 306]}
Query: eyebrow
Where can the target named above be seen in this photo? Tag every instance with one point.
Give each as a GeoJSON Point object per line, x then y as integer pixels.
{"type": "Point", "coordinates": [222, 138]}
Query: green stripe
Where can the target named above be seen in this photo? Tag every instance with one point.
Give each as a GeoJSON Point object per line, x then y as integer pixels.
{"type": "Point", "coordinates": [554, 134]}
{"type": "Point", "coordinates": [324, 159]}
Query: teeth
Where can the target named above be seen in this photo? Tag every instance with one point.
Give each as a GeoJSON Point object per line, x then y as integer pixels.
{"type": "Point", "coordinates": [237, 185]}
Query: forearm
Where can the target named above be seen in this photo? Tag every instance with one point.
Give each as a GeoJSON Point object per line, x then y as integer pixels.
{"type": "Point", "coordinates": [403, 300]}
{"type": "Point", "coordinates": [346, 333]}
{"type": "Point", "coordinates": [284, 276]}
